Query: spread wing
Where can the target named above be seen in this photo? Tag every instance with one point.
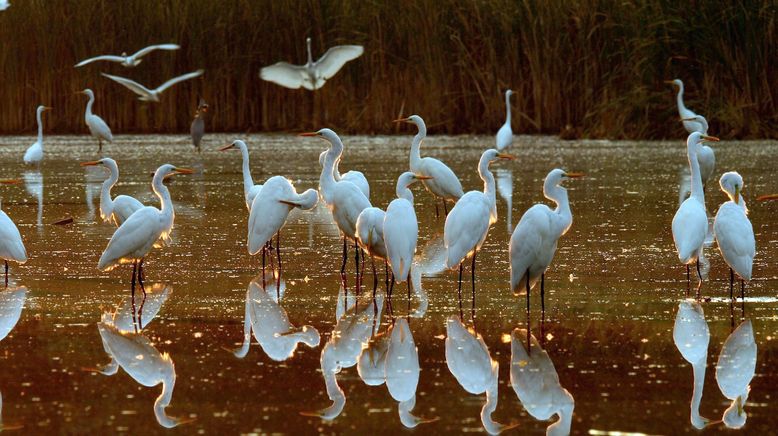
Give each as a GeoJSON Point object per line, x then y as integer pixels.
{"type": "Point", "coordinates": [332, 61]}
{"type": "Point", "coordinates": [130, 84]}
{"type": "Point", "coordinates": [144, 51]}
{"type": "Point", "coordinates": [285, 74]}
{"type": "Point", "coordinates": [111, 58]}
{"type": "Point", "coordinates": [175, 80]}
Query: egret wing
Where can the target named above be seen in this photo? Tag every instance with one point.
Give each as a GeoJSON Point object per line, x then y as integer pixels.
{"type": "Point", "coordinates": [111, 58]}
{"type": "Point", "coordinates": [182, 78]}
{"type": "Point", "coordinates": [130, 84]}
{"type": "Point", "coordinates": [334, 59]}
{"type": "Point", "coordinates": [140, 231]}
{"type": "Point", "coordinates": [285, 74]}
{"type": "Point", "coordinates": [144, 51]}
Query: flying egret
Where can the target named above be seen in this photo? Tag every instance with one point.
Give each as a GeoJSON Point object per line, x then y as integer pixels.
{"type": "Point", "coordinates": [34, 154]}
{"type": "Point", "coordinates": [706, 156]}
{"type": "Point", "coordinates": [131, 60]}
{"type": "Point", "coordinates": [690, 223]}
{"type": "Point", "coordinates": [444, 183]}
{"type": "Point", "coordinates": [468, 223]}
{"type": "Point", "coordinates": [734, 233]}
{"type": "Point", "coordinates": [535, 238]}
{"type": "Point", "coordinates": [312, 75]}
{"type": "Point", "coordinates": [734, 372]}
{"type": "Point", "coordinates": [11, 245]}
{"type": "Point", "coordinates": [356, 177]}
{"type": "Point", "coordinates": [133, 240]}
{"type": "Point", "coordinates": [344, 199]}
{"type": "Point", "coordinates": [690, 125]}
{"type": "Point", "coordinates": [401, 229]}
{"type": "Point", "coordinates": [4, 4]}
{"type": "Point", "coordinates": [197, 130]}
{"type": "Point", "coordinates": [151, 94]}
{"type": "Point", "coordinates": [691, 336]}
{"type": "Point", "coordinates": [250, 190]}
{"type": "Point", "coordinates": [115, 210]}
{"type": "Point", "coordinates": [505, 134]}
{"type": "Point", "coordinates": [97, 127]}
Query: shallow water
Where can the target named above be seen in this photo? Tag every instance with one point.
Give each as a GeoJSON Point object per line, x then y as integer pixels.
{"type": "Point", "coordinates": [612, 295]}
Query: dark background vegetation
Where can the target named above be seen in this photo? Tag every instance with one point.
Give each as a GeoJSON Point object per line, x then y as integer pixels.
{"type": "Point", "coordinates": [595, 65]}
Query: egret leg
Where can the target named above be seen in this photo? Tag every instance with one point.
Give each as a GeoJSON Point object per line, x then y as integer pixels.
{"type": "Point", "coordinates": [529, 342]}
{"type": "Point", "coordinates": [391, 287]}
{"type": "Point", "coordinates": [141, 278]}
{"type": "Point", "coordinates": [528, 294]}
{"type": "Point", "coordinates": [6, 273]}
{"type": "Point", "coordinates": [408, 284]}
{"type": "Point", "coordinates": [437, 213]}
{"type": "Point", "coordinates": [386, 274]}
{"type": "Point", "coordinates": [542, 293]}
{"type": "Point", "coordinates": [743, 296]}
{"type": "Point", "coordinates": [343, 267]}
{"type": "Point", "coordinates": [264, 250]}
{"type": "Point", "coordinates": [375, 276]}
{"type": "Point", "coordinates": [699, 276]}
{"type": "Point", "coordinates": [472, 279]}
{"type": "Point", "coordinates": [356, 266]}
{"type": "Point", "coordinates": [132, 291]}
{"type": "Point", "coordinates": [445, 207]}
{"type": "Point", "coordinates": [99, 145]}
{"type": "Point", "coordinates": [278, 251]}
{"type": "Point", "coordinates": [688, 280]}
{"type": "Point", "coordinates": [459, 291]}
{"type": "Point", "coordinates": [731, 283]}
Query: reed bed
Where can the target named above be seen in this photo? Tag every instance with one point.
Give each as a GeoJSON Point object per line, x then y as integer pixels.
{"type": "Point", "coordinates": [595, 67]}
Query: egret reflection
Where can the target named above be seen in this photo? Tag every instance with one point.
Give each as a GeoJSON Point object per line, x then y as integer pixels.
{"type": "Point", "coordinates": [11, 305]}
{"type": "Point", "coordinates": [505, 189]}
{"type": "Point", "coordinates": [734, 371]}
{"type": "Point", "coordinates": [691, 336]}
{"type": "Point", "coordinates": [33, 182]}
{"type": "Point", "coordinates": [402, 371]}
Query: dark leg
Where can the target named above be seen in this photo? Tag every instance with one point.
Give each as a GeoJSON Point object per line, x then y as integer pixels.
{"type": "Point", "coordinates": [6, 273]}
{"type": "Point", "coordinates": [472, 278]}
{"type": "Point", "coordinates": [99, 145]}
{"type": "Point", "coordinates": [356, 266]}
{"type": "Point", "coordinates": [437, 213]}
{"type": "Point", "coordinates": [528, 294]}
{"type": "Point", "coordinates": [699, 276]}
{"type": "Point", "coordinates": [731, 283]}
{"type": "Point", "coordinates": [264, 251]}
{"type": "Point", "coordinates": [542, 293]}
{"type": "Point", "coordinates": [408, 284]}
{"type": "Point", "coordinates": [445, 207]}
{"type": "Point", "coordinates": [529, 342]}
{"type": "Point", "coordinates": [278, 251]}
{"type": "Point", "coordinates": [743, 297]}
{"type": "Point", "coordinates": [459, 292]}
{"type": "Point", "coordinates": [132, 290]}
{"type": "Point", "coordinates": [391, 286]}
{"type": "Point", "coordinates": [345, 249]}
{"type": "Point", "coordinates": [141, 278]}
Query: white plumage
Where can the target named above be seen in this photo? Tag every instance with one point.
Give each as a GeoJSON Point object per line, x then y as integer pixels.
{"type": "Point", "coordinates": [691, 336]}
{"type": "Point", "coordinates": [11, 245]}
{"type": "Point", "coordinates": [734, 371]}
{"type": "Point", "coordinates": [370, 231]}
{"type": "Point", "coordinates": [118, 209]}
{"type": "Point", "coordinates": [504, 137]}
{"type": "Point", "coordinates": [271, 207]}
{"type": "Point", "coordinates": [250, 190]}
{"type": "Point", "coordinates": [312, 75]}
{"type": "Point", "coordinates": [733, 230]}
{"type": "Point", "coordinates": [146, 94]}
{"type": "Point", "coordinates": [132, 60]}
{"type": "Point", "coordinates": [401, 229]}
{"type": "Point", "coordinates": [34, 154]}
{"type": "Point", "coordinates": [97, 127]}
{"type": "Point", "coordinates": [356, 177]}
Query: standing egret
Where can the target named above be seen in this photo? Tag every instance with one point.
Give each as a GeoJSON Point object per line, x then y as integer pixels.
{"type": "Point", "coordinates": [468, 223]}
{"type": "Point", "coordinates": [197, 130]}
{"type": "Point", "coordinates": [691, 336]}
{"type": "Point", "coordinates": [11, 245]}
{"type": "Point", "coordinates": [132, 60]}
{"type": "Point", "coordinates": [312, 75]}
{"type": "Point", "coordinates": [505, 134]}
{"type": "Point", "coordinates": [685, 113]}
{"type": "Point", "coordinates": [734, 372]}
{"type": "Point", "coordinates": [443, 183]}
{"type": "Point", "coordinates": [356, 177]}
{"type": "Point", "coordinates": [115, 210]}
{"type": "Point", "coordinates": [734, 233]}
{"type": "Point", "coordinates": [535, 238]}
{"type": "Point", "coordinates": [34, 154]}
{"type": "Point", "coordinates": [133, 240]}
{"type": "Point", "coordinates": [344, 199]}
{"type": "Point", "coordinates": [370, 236]}
{"type": "Point", "coordinates": [706, 156]}
{"type": "Point", "coordinates": [690, 223]}
{"type": "Point", "coordinates": [401, 229]}
{"type": "Point", "coordinates": [97, 127]}
{"type": "Point", "coordinates": [146, 94]}
{"type": "Point", "coordinates": [250, 190]}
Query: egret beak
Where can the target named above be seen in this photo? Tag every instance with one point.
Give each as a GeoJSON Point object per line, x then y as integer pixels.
{"type": "Point", "coordinates": [767, 197]}
{"type": "Point", "coordinates": [670, 82]}
{"type": "Point", "coordinates": [47, 108]}
{"type": "Point", "coordinates": [401, 120]}
{"type": "Point", "coordinates": [183, 171]}
{"type": "Point", "coordinates": [737, 194]}
{"type": "Point", "coordinates": [90, 163]}
{"type": "Point", "coordinates": [10, 181]}
{"type": "Point", "coordinates": [709, 138]}
{"type": "Point", "coordinates": [689, 119]}
{"type": "Point", "coordinates": [506, 156]}
{"type": "Point", "coordinates": [225, 147]}
{"type": "Point", "coordinates": [423, 177]}
{"type": "Point", "coordinates": [308, 134]}
{"type": "Point", "coordinates": [288, 203]}
{"type": "Point", "coordinates": [574, 175]}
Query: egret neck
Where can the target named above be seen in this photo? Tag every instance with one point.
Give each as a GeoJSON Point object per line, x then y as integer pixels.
{"type": "Point", "coordinates": [164, 198]}
{"type": "Point", "coordinates": [40, 125]}
{"type": "Point", "coordinates": [696, 178]}
{"type": "Point", "coordinates": [489, 187]}
{"type": "Point", "coordinates": [558, 195]}
{"type": "Point", "coordinates": [106, 202]}
{"type": "Point", "coordinates": [679, 99]}
{"type": "Point", "coordinates": [168, 383]}
{"type": "Point", "coordinates": [402, 189]}
{"type": "Point", "coordinates": [415, 159]}
{"type": "Point", "coordinates": [327, 180]}
{"type": "Point", "coordinates": [508, 108]}
{"type": "Point", "coordinates": [248, 181]}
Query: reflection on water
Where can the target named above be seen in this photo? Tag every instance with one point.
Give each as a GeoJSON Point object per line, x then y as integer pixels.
{"type": "Point", "coordinates": [504, 179]}
{"type": "Point", "coordinates": [11, 305]}
{"type": "Point", "coordinates": [33, 182]}
{"type": "Point", "coordinates": [734, 372]}
{"type": "Point", "coordinates": [691, 336]}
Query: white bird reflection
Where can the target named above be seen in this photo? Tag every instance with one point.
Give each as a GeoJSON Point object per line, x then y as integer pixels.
{"type": "Point", "coordinates": [270, 323]}
{"type": "Point", "coordinates": [505, 189]}
{"type": "Point", "coordinates": [129, 314]}
{"type": "Point", "coordinates": [469, 361]}
{"type": "Point", "coordinates": [402, 372]}
{"type": "Point", "coordinates": [11, 305]}
{"type": "Point", "coordinates": [93, 177]}
{"type": "Point", "coordinates": [537, 385]}
{"type": "Point", "coordinates": [33, 182]}
{"type": "Point", "coordinates": [691, 336]}
{"type": "Point", "coordinates": [734, 370]}
{"type": "Point", "coordinates": [350, 336]}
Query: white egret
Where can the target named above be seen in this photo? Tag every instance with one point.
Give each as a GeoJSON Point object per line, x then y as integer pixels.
{"type": "Point", "coordinates": [250, 190]}
{"type": "Point", "coordinates": [11, 245]}
{"type": "Point", "coordinates": [505, 134]}
{"type": "Point", "coordinates": [132, 60]}
{"type": "Point", "coordinates": [128, 316]}
{"type": "Point", "coordinates": [690, 223]}
{"type": "Point", "coordinates": [370, 237]}
{"type": "Point", "coordinates": [197, 130]}
{"type": "Point", "coordinates": [344, 199]}
{"type": "Point", "coordinates": [146, 228]}
{"type": "Point", "coordinates": [4, 4]}
{"type": "Point", "coordinates": [97, 127]}
{"type": "Point", "coordinates": [146, 94]}
{"type": "Point", "coordinates": [706, 156]}
{"type": "Point", "coordinates": [34, 154]}
{"type": "Point", "coordinates": [734, 233]}
{"type": "Point", "coordinates": [312, 75]}
{"type": "Point", "coordinates": [734, 371]}
{"type": "Point", "coordinates": [691, 336]}
{"type": "Point", "coordinates": [685, 113]}
{"type": "Point", "coordinates": [535, 238]}
{"type": "Point", "coordinates": [356, 177]}
{"type": "Point", "coordinates": [444, 183]}
{"type": "Point", "coordinates": [401, 229]}
{"type": "Point", "coordinates": [468, 223]}
{"type": "Point", "coordinates": [118, 209]}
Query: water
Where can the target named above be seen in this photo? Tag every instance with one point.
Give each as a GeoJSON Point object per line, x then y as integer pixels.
{"type": "Point", "coordinates": [612, 295]}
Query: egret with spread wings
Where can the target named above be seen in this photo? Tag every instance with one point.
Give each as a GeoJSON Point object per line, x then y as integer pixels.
{"type": "Point", "coordinates": [312, 75]}
{"type": "Point", "coordinates": [151, 94]}
{"type": "Point", "coordinates": [132, 60]}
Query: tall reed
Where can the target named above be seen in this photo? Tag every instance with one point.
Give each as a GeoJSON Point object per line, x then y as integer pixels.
{"type": "Point", "coordinates": [595, 65]}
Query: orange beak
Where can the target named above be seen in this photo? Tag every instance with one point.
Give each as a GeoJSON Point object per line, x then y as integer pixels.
{"type": "Point", "coordinates": [710, 138]}
{"type": "Point", "coordinates": [226, 147]}
{"type": "Point", "coordinates": [308, 134]}
{"type": "Point", "coordinates": [10, 181]}
{"type": "Point", "coordinates": [90, 163]}
{"type": "Point", "coordinates": [400, 120]}
{"type": "Point", "coordinates": [421, 177]}
{"type": "Point", "coordinates": [184, 171]}
{"type": "Point", "coordinates": [574, 175]}
{"type": "Point", "coordinates": [767, 197]}
{"type": "Point", "coordinates": [669, 81]}
{"type": "Point", "coordinates": [47, 108]}
{"type": "Point", "coordinates": [506, 156]}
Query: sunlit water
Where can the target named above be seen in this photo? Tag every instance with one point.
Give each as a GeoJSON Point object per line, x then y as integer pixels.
{"type": "Point", "coordinates": [612, 296]}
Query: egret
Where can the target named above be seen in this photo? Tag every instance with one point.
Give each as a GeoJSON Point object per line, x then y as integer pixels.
{"type": "Point", "coordinates": [97, 127]}
{"type": "Point", "coordinates": [370, 237]}
{"type": "Point", "coordinates": [734, 372]}
{"type": "Point", "coordinates": [734, 233]}
{"type": "Point", "coordinates": [534, 240]}
{"type": "Point", "coordinates": [444, 183]}
{"type": "Point", "coordinates": [690, 223]}
{"type": "Point", "coordinates": [468, 223]}
{"type": "Point", "coordinates": [11, 245]}
{"type": "Point", "coordinates": [706, 156]}
{"type": "Point", "coordinates": [4, 4]}
{"type": "Point", "coordinates": [131, 60]}
{"type": "Point", "coordinates": [312, 75]}
{"type": "Point", "coordinates": [401, 229]}
{"type": "Point", "coordinates": [197, 130]}
{"type": "Point", "coordinates": [134, 238]}
{"type": "Point", "coordinates": [356, 177]}
{"type": "Point", "coordinates": [151, 94]}
{"type": "Point", "coordinates": [344, 199]}
{"type": "Point", "coordinates": [250, 190]}
{"type": "Point", "coordinates": [118, 209]}
{"type": "Point", "coordinates": [685, 114]}
{"type": "Point", "coordinates": [691, 336]}
{"type": "Point", "coordinates": [505, 134]}
{"type": "Point", "coordinates": [34, 154]}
